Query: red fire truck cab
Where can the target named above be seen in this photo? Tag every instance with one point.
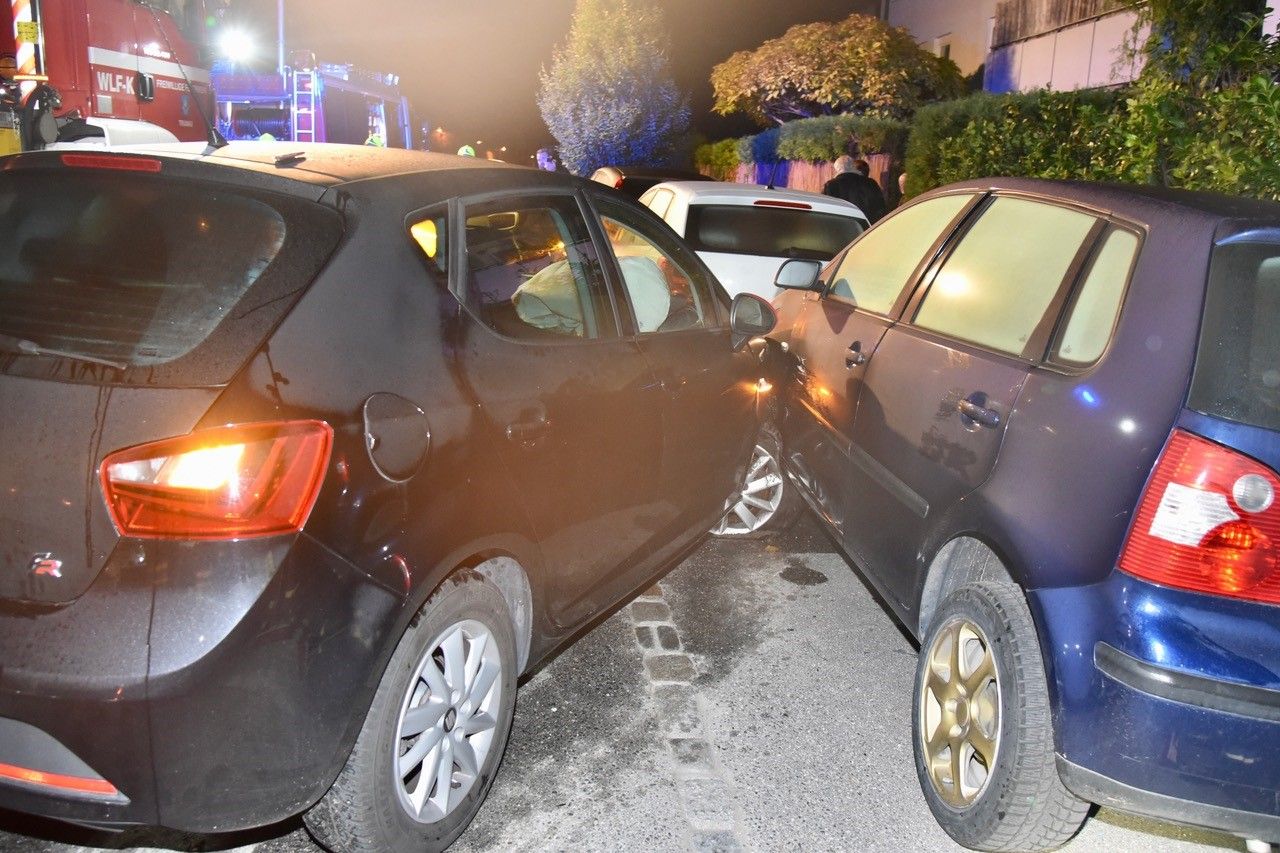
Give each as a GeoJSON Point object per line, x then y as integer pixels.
{"type": "Point", "coordinates": [122, 60]}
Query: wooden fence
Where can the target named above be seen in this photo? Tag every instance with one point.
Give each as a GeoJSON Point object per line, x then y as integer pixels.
{"type": "Point", "coordinates": [800, 175]}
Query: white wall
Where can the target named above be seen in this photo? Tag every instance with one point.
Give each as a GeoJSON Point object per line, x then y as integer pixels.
{"type": "Point", "coordinates": [1086, 55]}
{"type": "Point", "coordinates": [964, 24]}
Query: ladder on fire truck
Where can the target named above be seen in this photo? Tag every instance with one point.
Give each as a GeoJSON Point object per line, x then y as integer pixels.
{"type": "Point", "coordinates": [303, 114]}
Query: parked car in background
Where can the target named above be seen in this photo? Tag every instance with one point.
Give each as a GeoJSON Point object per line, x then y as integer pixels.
{"type": "Point", "coordinates": [634, 180]}
{"type": "Point", "coordinates": [745, 231]}
{"type": "Point", "coordinates": [1043, 420]}
{"type": "Point", "coordinates": [281, 526]}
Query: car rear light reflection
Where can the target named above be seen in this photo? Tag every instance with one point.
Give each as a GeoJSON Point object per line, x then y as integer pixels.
{"type": "Point", "coordinates": [77, 784]}
{"type": "Point", "coordinates": [123, 163]}
{"type": "Point", "coordinates": [227, 482]}
{"type": "Point", "coordinates": [1207, 523]}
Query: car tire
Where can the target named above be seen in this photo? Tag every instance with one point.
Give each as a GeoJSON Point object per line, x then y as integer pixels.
{"type": "Point", "coordinates": [982, 727]}
{"type": "Point", "coordinates": [453, 678]}
{"type": "Point", "coordinates": [764, 482]}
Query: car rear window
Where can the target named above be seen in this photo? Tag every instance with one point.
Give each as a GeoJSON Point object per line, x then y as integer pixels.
{"type": "Point", "coordinates": [1237, 373]}
{"type": "Point", "coordinates": [774, 231]}
{"type": "Point", "coordinates": [141, 270]}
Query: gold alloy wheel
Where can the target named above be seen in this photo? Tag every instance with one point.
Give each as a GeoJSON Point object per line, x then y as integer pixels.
{"type": "Point", "coordinates": [959, 725]}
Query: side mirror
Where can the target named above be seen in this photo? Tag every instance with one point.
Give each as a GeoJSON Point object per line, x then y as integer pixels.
{"type": "Point", "coordinates": [749, 317]}
{"type": "Point", "coordinates": [798, 274]}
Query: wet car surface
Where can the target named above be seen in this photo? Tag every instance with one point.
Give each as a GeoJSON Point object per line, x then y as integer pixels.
{"type": "Point", "coordinates": [800, 693]}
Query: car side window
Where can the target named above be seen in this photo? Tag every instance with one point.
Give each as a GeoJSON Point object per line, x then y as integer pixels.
{"type": "Point", "coordinates": [532, 272]}
{"type": "Point", "coordinates": [879, 265]}
{"type": "Point", "coordinates": [996, 286]}
{"type": "Point", "coordinates": [664, 284]}
{"type": "Point", "coordinates": [1097, 303]}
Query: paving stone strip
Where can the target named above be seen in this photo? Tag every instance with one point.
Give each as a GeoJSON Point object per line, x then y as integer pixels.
{"type": "Point", "coordinates": [704, 789]}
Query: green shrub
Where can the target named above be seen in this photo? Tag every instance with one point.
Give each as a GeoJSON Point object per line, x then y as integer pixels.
{"type": "Point", "coordinates": [1160, 132]}
{"type": "Point", "coordinates": [718, 160]}
{"type": "Point", "coordinates": [823, 139]}
{"type": "Point", "coordinates": [932, 126]}
{"type": "Point", "coordinates": [1063, 135]}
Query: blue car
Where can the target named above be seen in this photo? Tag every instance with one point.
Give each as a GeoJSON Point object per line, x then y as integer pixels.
{"type": "Point", "coordinates": [1042, 418]}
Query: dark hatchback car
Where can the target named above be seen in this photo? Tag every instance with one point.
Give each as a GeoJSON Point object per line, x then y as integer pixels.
{"type": "Point", "coordinates": [311, 452]}
{"type": "Point", "coordinates": [1043, 419]}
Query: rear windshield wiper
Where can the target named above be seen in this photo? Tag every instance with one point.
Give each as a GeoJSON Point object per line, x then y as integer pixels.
{"type": "Point", "coordinates": [26, 347]}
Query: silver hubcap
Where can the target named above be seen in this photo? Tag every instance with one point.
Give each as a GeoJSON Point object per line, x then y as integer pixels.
{"type": "Point", "coordinates": [447, 721]}
{"type": "Point", "coordinates": [761, 497]}
{"type": "Point", "coordinates": [960, 713]}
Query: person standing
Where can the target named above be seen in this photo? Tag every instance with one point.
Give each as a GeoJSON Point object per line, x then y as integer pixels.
{"type": "Point", "coordinates": [853, 183]}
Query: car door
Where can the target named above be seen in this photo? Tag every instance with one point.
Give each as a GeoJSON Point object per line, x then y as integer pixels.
{"type": "Point", "coordinates": [943, 384]}
{"type": "Point", "coordinates": [832, 341]}
{"type": "Point", "coordinates": [573, 405]}
{"type": "Point", "coordinates": [679, 318]}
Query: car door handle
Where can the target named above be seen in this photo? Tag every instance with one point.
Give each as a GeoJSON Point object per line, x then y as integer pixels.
{"type": "Point", "coordinates": [979, 414]}
{"type": "Point", "coordinates": [528, 432]}
{"type": "Point", "coordinates": [856, 356]}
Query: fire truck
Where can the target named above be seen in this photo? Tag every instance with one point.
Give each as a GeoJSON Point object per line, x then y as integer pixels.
{"type": "Point", "coordinates": [310, 101]}
{"type": "Point", "coordinates": [109, 70]}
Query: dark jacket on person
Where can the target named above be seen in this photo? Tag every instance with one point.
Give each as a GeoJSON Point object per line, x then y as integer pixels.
{"type": "Point", "coordinates": [859, 189]}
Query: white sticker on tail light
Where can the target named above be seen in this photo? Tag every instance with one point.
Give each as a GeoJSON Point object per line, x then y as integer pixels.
{"type": "Point", "coordinates": [1186, 515]}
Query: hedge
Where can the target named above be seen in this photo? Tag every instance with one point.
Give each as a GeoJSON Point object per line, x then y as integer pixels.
{"type": "Point", "coordinates": [1156, 132]}
{"type": "Point", "coordinates": [814, 140]}
{"type": "Point", "coordinates": [1049, 134]}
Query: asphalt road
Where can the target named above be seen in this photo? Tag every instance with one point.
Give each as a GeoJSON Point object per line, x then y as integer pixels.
{"type": "Point", "coordinates": [758, 699]}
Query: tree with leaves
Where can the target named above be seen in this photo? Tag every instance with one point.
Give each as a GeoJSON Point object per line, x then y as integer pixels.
{"type": "Point", "coordinates": [859, 65]}
{"type": "Point", "coordinates": [608, 97]}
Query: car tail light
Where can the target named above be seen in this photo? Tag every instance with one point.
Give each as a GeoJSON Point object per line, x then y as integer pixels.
{"type": "Point", "coordinates": [770, 202]}
{"type": "Point", "coordinates": [58, 781]}
{"type": "Point", "coordinates": [124, 163]}
{"type": "Point", "coordinates": [223, 483]}
{"type": "Point", "coordinates": [617, 184]}
{"type": "Point", "coordinates": [1208, 522]}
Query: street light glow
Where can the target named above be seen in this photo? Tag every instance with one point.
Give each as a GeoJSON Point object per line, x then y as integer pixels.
{"type": "Point", "coordinates": [236, 45]}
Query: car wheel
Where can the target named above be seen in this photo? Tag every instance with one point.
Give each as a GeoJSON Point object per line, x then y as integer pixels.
{"type": "Point", "coordinates": [435, 733]}
{"type": "Point", "coordinates": [983, 731]}
{"type": "Point", "coordinates": [768, 502]}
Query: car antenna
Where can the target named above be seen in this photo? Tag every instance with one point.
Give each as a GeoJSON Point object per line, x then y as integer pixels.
{"type": "Point", "coordinates": [773, 173]}
{"type": "Point", "coordinates": [215, 138]}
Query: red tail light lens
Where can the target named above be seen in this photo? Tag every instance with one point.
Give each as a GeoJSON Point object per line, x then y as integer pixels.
{"type": "Point", "coordinates": [74, 784]}
{"type": "Point", "coordinates": [228, 482]}
{"type": "Point", "coordinates": [123, 163]}
{"type": "Point", "coordinates": [1208, 522]}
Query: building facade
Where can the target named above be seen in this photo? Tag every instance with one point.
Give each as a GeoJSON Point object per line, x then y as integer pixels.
{"type": "Point", "coordinates": [1027, 44]}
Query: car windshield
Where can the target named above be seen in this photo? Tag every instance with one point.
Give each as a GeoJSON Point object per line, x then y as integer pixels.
{"type": "Point", "coordinates": [1237, 373]}
{"type": "Point", "coordinates": [129, 269]}
{"type": "Point", "coordinates": [781, 232]}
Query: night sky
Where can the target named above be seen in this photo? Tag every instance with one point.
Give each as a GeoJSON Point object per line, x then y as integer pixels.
{"type": "Point", "coordinates": [472, 67]}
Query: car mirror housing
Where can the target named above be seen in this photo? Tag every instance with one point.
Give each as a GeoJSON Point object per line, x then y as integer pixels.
{"type": "Point", "coordinates": [798, 274]}
{"type": "Point", "coordinates": [750, 316]}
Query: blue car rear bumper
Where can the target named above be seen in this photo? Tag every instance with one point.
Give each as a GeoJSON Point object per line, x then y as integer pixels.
{"type": "Point", "coordinates": [1166, 702]}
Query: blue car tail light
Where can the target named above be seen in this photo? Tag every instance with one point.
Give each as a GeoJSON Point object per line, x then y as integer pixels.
{"type": "Point", "coordinates": [1207, 522]}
